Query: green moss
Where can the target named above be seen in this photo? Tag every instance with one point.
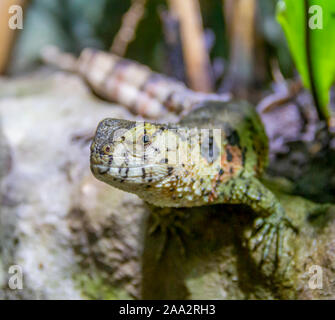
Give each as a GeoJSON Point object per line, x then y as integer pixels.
{"type": "Point", "coordinates": [97, 288]}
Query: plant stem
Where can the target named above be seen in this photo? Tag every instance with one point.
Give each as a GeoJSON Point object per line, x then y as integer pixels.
{"type": "Point", "coordinates": [310, 64]}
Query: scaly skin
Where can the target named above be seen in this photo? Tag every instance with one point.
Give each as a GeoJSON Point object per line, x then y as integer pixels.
{"type": "Point", "coordinates": [215, 155]}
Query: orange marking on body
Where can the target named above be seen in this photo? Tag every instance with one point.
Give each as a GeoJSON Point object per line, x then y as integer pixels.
{"type": "Point", "coordinates": [212, 196]}
{"type": "Point", "coordinates": [229, 169]}
{"type": "Point", "coordinates": [236, 163]}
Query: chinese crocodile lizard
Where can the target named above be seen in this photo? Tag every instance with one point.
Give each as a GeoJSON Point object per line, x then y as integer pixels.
{"type": "Point", "coordinates": [214, 155]}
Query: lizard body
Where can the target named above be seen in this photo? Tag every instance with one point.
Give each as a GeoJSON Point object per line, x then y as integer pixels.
{"type": "Point", "coordinates": [185, 164]}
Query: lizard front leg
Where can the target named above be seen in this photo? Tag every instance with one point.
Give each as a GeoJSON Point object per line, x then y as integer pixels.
{"type": "Point", "coordinates": [269, 228]}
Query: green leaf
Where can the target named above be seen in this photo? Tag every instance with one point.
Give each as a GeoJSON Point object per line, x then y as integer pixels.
{"type": "Point", "coordinates": [310, 32]}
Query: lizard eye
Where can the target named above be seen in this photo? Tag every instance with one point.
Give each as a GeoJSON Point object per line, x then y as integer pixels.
{"type": "Point", "coordinates": [146, 139]}
{"type": "Point", "coordinates": [106, 149]}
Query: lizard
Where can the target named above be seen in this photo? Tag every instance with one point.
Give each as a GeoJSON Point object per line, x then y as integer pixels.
{"type": "Point", "coordinates": [216, 154]}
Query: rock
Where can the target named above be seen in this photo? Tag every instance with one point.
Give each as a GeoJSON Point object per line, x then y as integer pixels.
{"type": "Point", "coordinates": [74, 237]}
{"type": "Point", "coordinates": [217, 265]}
{"type": "Point", "coordinates": [47, 121]}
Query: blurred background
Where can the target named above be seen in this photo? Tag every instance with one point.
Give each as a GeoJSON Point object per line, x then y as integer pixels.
{"type": "Point", "coordinates": [243, 32]}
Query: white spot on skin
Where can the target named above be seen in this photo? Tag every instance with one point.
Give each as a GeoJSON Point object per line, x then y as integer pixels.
{"type": "Point", "coordinates": [196, 185]}
{"type": "Point", "coordinates": [114, 171]}
{"type": "Point", "coordinates": [197, 192]}
{"type": "Point", "coordinates": [135, 172]}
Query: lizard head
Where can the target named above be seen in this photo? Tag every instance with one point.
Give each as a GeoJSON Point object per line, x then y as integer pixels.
{"type": "Point", "coordinates": [131, 155]}
{"type": "Point", "coordinates": [150, 160]}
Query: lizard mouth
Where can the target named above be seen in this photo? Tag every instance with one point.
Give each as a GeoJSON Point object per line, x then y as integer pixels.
{"type": "Point", "coordinates": [123, 172]}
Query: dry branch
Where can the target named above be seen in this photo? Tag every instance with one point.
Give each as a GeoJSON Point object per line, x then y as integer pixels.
{"type": "Point", "coordinates": [240, 20]}
{"type": "Point", "coordinates": [130, 21]}
{"type": "Point", "coordinates": [194, 50]}
{"type": "Point", "coordinates": [174, 49]}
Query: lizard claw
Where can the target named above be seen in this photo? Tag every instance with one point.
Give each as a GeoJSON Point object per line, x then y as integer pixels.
{"type": "Point", "coordinates": [268, 236]}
